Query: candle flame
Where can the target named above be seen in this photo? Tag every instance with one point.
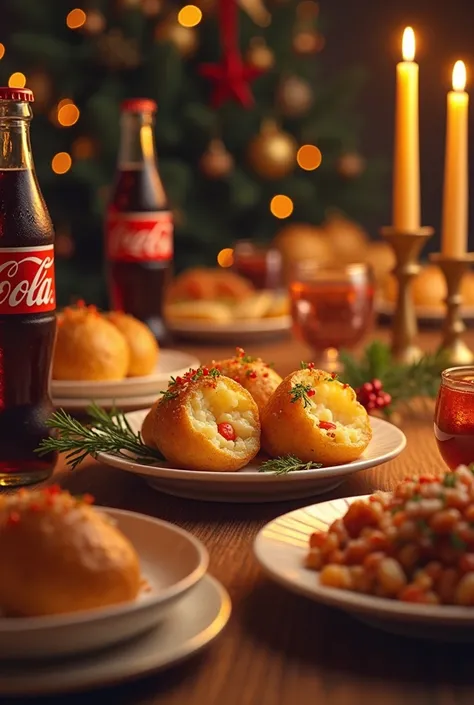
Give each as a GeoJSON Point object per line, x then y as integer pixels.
{"type": "Point", "coordinates": [408, 44]}
{"type": "Point", "coordinates": [459, 76]}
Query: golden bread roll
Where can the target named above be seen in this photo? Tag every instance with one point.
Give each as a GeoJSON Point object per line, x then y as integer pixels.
{"type": "Point", "coordinates": [253, 307]}
{"type": "Point", "coordinates": [280, 306]}
{"type": "Point", "coordinates": [348, 240]}
{"type": "Point", "coordinates": [428, 288]}
{"type": "Point", "coordinates": [60, 555]}
{"type": "Point", "coordinates": [381, 258]}
{"type": "Point", "coordinates": [255, 375]}
{"type": "Point", "coordinates": [209, 285]}
{"type": "Point", "coordinates": [89, 347]}
{"type": "Point", "coordinates": [199, 311]}
{"type": "Point", "coordinates": [144, 350]}
{"type": "Point", "coordinates": [316, 418]}
{"type": "Point", "coordinates": [299, 242]}
{"type": "Point", "coordinates": [204, 421]}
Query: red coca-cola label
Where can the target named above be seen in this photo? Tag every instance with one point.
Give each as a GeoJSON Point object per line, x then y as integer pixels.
{"type": "Point", "coordinates": [139, 237]}
{"type": "Point", "coordinates": [27, 279]}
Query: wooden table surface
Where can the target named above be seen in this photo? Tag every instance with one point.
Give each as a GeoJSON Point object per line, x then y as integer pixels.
{"type": "Point", "coordinates": [280, 649]}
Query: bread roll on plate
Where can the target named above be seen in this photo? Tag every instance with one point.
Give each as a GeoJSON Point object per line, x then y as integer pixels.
{"type": "Point", "coordinates": [60, 555]}
{"type": "Point", "coordinates": [316, 418]}
{"type": "Point", "coordinates": [255, 375]}
{"type": "Point", "coordinates": [89, 347]}
{"type": "Point", "coordinates": [199, 311]}
{"type": "Point", "coordinates": [142, 345]}
{"type": "Point", "coordinates": [204, 421]}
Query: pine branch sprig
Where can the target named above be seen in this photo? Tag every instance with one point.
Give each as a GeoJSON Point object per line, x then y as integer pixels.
{"type": "Point", "coordinates": [286, 464]}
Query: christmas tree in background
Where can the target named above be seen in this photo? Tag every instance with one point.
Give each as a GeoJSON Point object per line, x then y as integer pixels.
{"type": "Point", "coordinates": [249, 135]}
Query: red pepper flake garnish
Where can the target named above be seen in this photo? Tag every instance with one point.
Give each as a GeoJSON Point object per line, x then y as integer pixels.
{"type": "Point", "coordinates": [87, 498]}
{"type": "Point", "coordinates": [333, 375]}
{"type": "Point", "coordinates": [227, 431]}
{"type": "Point", "coordinates": [236, 379]}
{"type": "Point", "coordinates": [311, 392]}
{"type": "Point", "coordinates": [327, 425]}
{"type": "Point", "coordinates": [252, 374]}
{"type": "Point", "coordinates": [344, 386]}
{"type": "Point", "coordinates": [239, 352]}
{"type": "Point", "coordinates": [205, 371]}
{"type": "Point", "coordinates": [80, 303]}
{"type": "Point", "coordinates": [13, 519]}
{"type": "Point", "coordinates": [265, 374]}
{"type": "Point", "coordinates": [53, 490]}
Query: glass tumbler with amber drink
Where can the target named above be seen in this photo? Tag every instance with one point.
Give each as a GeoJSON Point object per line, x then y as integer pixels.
{"type": "Point", "coordinates": [454, 416]}
{"type": "Point", "coordinates": [332, 307]}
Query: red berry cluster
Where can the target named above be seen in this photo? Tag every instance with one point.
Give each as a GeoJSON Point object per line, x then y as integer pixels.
{"type": "Point", "coordinates": [372, 396]}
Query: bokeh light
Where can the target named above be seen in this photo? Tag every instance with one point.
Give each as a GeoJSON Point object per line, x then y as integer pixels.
{"type": "Point", "coordinates": [309, 157]}
{"type": "Point", "coordinates": [225, 258]}
{"type": "Point", "coordinates": [64, 101]}
{"type": "Point", "coordinates": [76, 18]}
{"type": "Point", "coordinates": [61, 163]}
{"type": "Point", "coordinates": [2, 50]}
{"type": "Point", "coordinates": [17, 80]}
{"type": "Point", "coordinates": [281, 206]}
{"type": "Point", "coordinates": [68, 115]}
{"type": "Point", "coordinates": [189, 16]}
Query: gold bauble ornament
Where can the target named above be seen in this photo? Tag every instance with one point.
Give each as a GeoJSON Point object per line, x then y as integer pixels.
{"type": "Point", "coordinates": [350, 165]}
{"type": "Point", "coordinates": [294, 97]}
{"type": "Point", "coordinates": [216, 162]}
{"type": "Point", "coordinates": [95, 22]}
{"type": "Point", "coordinates": [40, 84]}
{"type": "Point", "coordinates": [272, 153]}
{"type": "Point", "coordinates": [308, 42]}
{"type": "Point", "coordinates": [259, 55]}
{"type": "Point", "coordinates": [185, 39]}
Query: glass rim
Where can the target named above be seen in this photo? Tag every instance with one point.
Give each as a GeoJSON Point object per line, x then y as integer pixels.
{"type": "Point", "coordinates": [308, 267]}
{"type": "Point", "coordinates": [454, 378]}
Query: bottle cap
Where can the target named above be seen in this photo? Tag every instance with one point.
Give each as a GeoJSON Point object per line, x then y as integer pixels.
{"type": "Point", "coordinates": [139, 105]}
{"type": "Point", "coordinates": [18, 94]}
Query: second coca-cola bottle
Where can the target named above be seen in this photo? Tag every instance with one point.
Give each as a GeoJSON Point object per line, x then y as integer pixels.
{"type": "Point", "coordinates": [139, 224]}
{"type": "Point", "coordinates": [27, 300]}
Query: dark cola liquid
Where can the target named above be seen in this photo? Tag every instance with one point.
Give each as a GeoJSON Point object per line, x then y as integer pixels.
{"type": "Point", "coordinates": [26, 342]}
{"type": "Point", "coordinates": [139, 287]}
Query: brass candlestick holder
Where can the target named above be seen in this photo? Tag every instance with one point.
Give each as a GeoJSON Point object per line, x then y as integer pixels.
{"type": "Point", "coordinates": [454, 269]}
{"type": "Point", "coordinates": [407, 247]}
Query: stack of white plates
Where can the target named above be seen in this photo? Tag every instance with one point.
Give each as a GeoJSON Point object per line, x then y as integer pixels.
{"type": "Point", "coordinates": [181, 611]}
{"type": "Point", "coordinates": [130, 393]}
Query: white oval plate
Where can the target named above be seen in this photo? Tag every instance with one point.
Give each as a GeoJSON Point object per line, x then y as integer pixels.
{"type": "Point", "coordinates": [281, 547]}
{"type": "Point", "coordinates": [172, 562]}
{"type": "Point", "coordinates": [250, 485]}
{"type": "Point", "coordinates": [191, 624]}
{"type": "Point", "coordinates": [240, 329]}
{"type": "Point", "coordinates": [122, 403]}
{"type": "Point", "coordinates": [171, 363]}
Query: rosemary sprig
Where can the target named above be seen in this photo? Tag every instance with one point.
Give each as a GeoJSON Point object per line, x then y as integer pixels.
{"type": "Point", "coordinates": [109, 432]}
{"type": "Point", "coordinates": [286, 464]}
{"type": "Point", "coordinates": [300, 391]}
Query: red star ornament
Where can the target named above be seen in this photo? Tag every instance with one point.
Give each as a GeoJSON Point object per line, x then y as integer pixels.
{"type": "Point", "coordinates": [231, 80]}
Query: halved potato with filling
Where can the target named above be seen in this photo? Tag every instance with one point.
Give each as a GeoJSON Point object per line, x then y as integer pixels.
{"type": "Point", "coordinates": [316, 418]}
{"type": "Point", "coordinates": [255, 375]}
{"type": "Point", "coordinates": [204, 421]}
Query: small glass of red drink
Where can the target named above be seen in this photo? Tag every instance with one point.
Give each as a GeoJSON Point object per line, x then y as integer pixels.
{"type": "Point", "coordinates": [260, 264]}
{"type": "Point", "coordinates": [454, 416]}
{"type": "Point", "coordinates": [332, 307]}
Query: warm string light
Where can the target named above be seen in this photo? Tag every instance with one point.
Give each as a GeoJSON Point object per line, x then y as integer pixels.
{"type": "Point", "coordinates": [61, 163]}
{"type": "Point", "coordinates": [225, 258]}
{"type": "Point", "coordinates": [2, 50]}
{"type": "Point", "coordinates": [281, 206]}
{"type": "Point", "coordinates": [17, 80]}
{"type": "Point", "coordinates": [68, 114]}
{"type": "Point", "coordinates": [189, 16]}
{"type": "Point", "coordinates": [309, 157]}
{"type": "Point", "coordinates": [76, 18]}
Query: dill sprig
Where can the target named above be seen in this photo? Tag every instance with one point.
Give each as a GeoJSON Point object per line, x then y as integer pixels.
{"type": "Point", "coordinates": [286, 464]}
{"type": "Point", "coordinates": [109, 432]}
{"type": "Point", "coordinates": [300, 391]}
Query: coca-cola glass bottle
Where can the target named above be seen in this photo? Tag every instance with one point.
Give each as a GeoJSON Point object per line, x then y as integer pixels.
{"type": "Point", "coordinates": [27, 300]}
{"type": "Point", "coordinates": [139, 224]}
